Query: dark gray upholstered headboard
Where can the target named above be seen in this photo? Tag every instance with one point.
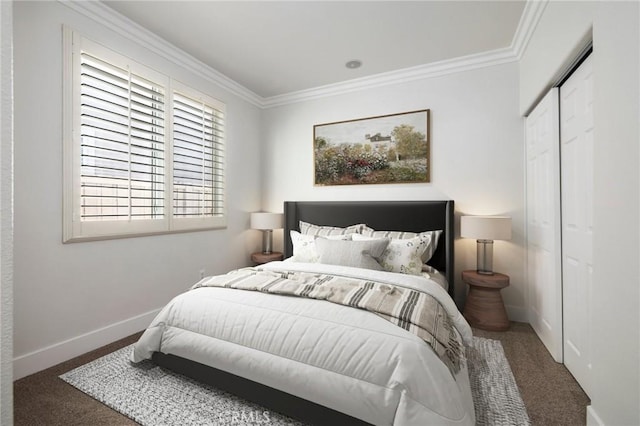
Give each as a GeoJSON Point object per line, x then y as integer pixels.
{"type": "Point", "coordinates": [415, 216]}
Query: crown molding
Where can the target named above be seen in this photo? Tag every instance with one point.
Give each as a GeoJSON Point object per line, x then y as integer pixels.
{"type": "Point", "coordinates": [103, 14]}
{"type": "Point", "coordinates": [531, 15]}
{"type": "Point", "coordinates": [434, 69]}
{"type": "Point", "coordinates": [528, 21]}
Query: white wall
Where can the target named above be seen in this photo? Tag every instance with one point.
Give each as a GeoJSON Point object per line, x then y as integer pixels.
{"type": "Point", "coordinates": [476, 156]}
{"type": "Point", "coordinates": [616, 360]}
{"type": "Point", "coordinates": [73, 297]}
{"type": "Point", "coordinates": [6, 214]}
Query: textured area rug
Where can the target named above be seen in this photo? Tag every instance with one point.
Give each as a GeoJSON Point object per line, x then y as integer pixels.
{"type": "Point", "coordinates": [155, 397]}
{"type": "Point", "coordinates": [495, 393]}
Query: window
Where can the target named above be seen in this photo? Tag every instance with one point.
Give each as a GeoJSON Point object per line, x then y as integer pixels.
{"type": "Point", "coordinates": [143, 153]}
{"type": "Point", "coordinates": [197, 158]}
{"type": "Point", "coordinates": [122, 143]}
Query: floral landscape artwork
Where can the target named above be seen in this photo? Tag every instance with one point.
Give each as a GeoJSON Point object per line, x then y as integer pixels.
{"type": "Point", "coordinates": [385, 149]}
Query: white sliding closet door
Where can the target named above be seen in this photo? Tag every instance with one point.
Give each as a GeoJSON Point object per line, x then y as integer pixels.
{"type": "Point", "coordinates": [544, 273]}
{"type": "Point", "coordinates": [576, 141]}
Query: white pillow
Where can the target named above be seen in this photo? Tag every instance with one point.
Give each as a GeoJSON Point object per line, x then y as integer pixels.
{"type": "Point", "coordinates": [402, 255]}
{"type": "Point", "coordinates": [358, 254]}
{"type": "Point", "coordinates": [304, 246]}
{"type": "Point", "coordinates": [429, 250]}
{"type": "Point", "coordinates": [325, 231]}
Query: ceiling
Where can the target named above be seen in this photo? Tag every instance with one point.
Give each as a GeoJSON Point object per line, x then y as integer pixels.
{"type": "Point", "coordinates": [274, 48]}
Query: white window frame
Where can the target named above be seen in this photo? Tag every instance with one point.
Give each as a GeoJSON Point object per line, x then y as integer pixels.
{"type": "Point", "coordinates": [74, 229]}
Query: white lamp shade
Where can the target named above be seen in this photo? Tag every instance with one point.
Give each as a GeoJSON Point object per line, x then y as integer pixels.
{"type": "Point", "coordinates": [263, 220]}
{"type": "Point", "coordinates": [485, 227]}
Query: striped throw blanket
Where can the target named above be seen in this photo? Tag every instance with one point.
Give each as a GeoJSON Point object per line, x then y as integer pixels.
{"type": "Point", "coordinates": [415, 311]}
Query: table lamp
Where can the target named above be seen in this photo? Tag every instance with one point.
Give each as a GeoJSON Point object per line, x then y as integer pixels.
{"type": "Point", "coordinates": [266, 222]}
{"type": "Point", "coordinates": [485, 229]}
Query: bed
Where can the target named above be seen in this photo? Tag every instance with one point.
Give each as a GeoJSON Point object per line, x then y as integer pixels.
{"type": "Point", "coordinates": [318, 361]}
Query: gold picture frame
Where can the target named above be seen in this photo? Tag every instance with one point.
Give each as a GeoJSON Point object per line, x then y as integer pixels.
{"type": "Point", "coordinates": [393, 148]}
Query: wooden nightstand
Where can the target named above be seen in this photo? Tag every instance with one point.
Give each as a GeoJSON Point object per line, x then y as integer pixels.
{"type": "Point", "coordinates": [484, 307]}
{"type": "Point", "coordinates": [260, 258]}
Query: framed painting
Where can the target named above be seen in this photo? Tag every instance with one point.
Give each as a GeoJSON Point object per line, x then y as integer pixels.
{"type": "Point", "coordinates": [390, 148]}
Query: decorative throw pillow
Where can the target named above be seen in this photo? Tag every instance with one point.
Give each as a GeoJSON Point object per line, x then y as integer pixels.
{"type": "Point", "coordinates": [324, 231]}
{"type": "Point", "coordinates": [304, 246]}
{"type": "Point", "coordinates": [402, 235]}
{"type": "Point", "coordinates": [358, 254]}
{"type": "Point", "coordinates": [402, 255]}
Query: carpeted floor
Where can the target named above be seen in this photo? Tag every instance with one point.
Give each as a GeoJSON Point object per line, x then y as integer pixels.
{"type": "Point", "coordinates": [550, 393]}
{"type": "Point", "coordinates": [153, 396]}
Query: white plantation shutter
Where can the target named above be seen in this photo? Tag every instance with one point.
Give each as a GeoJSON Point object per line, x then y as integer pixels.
{"type": "Point", "coordinates": [198, 153]}
{"type": "Point", "coordinates": [143, 154]}
{"type": "Point", "coordinates": [122, 143]}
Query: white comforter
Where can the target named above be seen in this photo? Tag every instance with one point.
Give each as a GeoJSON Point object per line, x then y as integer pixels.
{"type": "Point", "coordinates": [348, 359]}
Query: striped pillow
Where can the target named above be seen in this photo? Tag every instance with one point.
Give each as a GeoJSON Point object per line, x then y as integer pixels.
{"type": "Point", "coordinates": [324, 231]}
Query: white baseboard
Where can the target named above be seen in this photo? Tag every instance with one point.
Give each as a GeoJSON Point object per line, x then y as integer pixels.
{"type": "Point", "coordinates": [592, 417]}
{"type": "Point", "coordinates": [44, 358]}
{"type": "Point", "coordinates": [517, 313]}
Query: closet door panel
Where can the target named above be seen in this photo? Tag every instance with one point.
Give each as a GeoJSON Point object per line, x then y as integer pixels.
{"type": "Point", "coordinates": [543, 223]}
{"type": "Point", "coordinates": [576, 142]}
